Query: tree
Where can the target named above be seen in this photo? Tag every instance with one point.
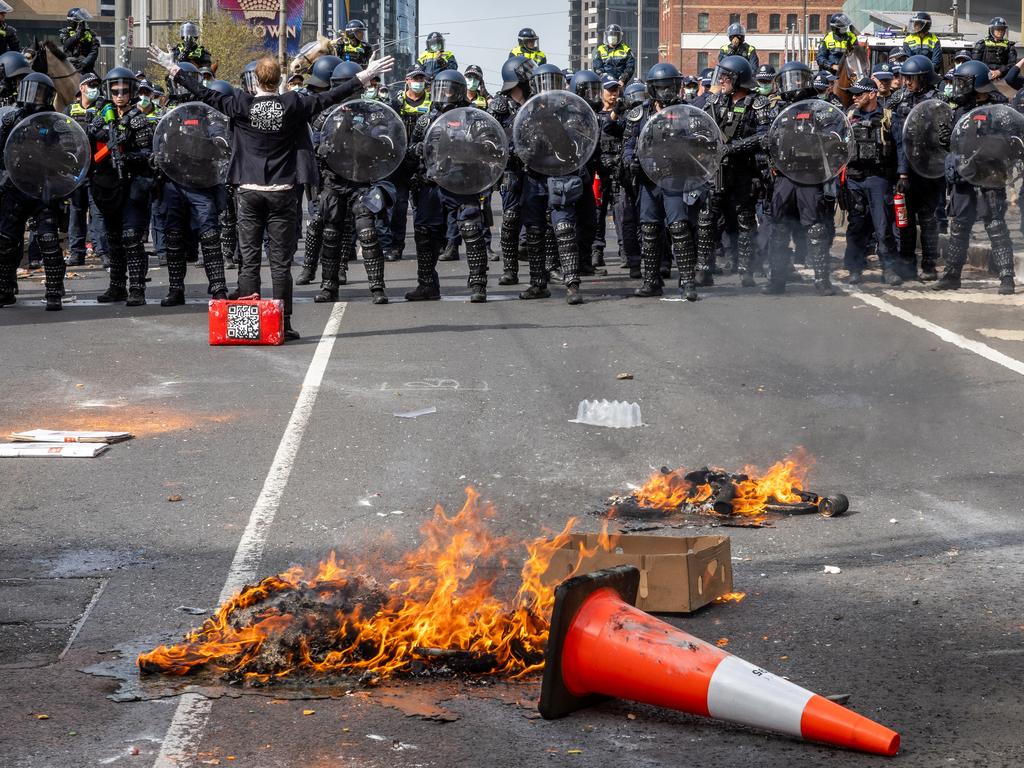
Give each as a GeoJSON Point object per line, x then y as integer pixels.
{"type": "Point", "coordinates": [231, 43]}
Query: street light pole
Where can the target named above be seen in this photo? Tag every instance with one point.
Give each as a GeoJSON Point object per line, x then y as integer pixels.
{"type": "Point", "coordinates": [282, 33]}
{"type": "Point", "coordinates": [806, 54]}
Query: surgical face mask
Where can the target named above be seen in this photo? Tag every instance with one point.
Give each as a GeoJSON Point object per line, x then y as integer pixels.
{"type": "Point", "coordinates": [764, 89]}
{"type": "Point", "coordinates": [417, 86]}
{"type": "Point", "coordinates": [435, 47]}
{"type": "Point", "coordinates": [92, 94]}
{"type": "Point", "coordinates": [294, 86]}
{"type": "Point", "coordinates": [690, 91]}
{"type": "Point", "coordinates": [145, 101]}
{"type": "Point", "coordinates": [473, 83]}
{"type": "Point", "coordinates": [612, 40]}
{"type": "Point", "coordinates": [370, 95]}
{"type": "Point", "coordinates": [947, 91]}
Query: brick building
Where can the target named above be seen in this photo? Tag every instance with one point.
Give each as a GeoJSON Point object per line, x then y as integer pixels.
{"type": "Point", "coordinates": [691, 36]}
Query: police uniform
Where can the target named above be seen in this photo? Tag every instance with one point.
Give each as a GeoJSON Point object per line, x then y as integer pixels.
{"type": "Point", "coordinates": [619, 62]}
{"type": "Point", "coordinates": [536, 56]}
{"type": "Point", "coordinates": [8, 38]}
{"type": "Point", "coordinates": [85, 220]}
{"type": "Point", "coordinates": [833, 48]}
{"type": "Point", "coordinates": [197, 55]}
{"type": "Point", "coordinates": [744, 50]}
{"type": "Point", "coordinates": [614, 194]}
{"type": "Point", "coordinates": [504, 110]}
{"type": "Point", "coordinates": [926, 44]}
{"type": "Point", "coordinates": [82, 47]}
{"type": "Point", "coordinates": [996, 54]}
{"type": "Point", "coordinates": [394, 238]}
{"type": "Point", "coordinates": [352, 49]}
{"type": "Point", "coordinates": [869, 192]}
{"type": "Point", "coordinates": [432, 62]}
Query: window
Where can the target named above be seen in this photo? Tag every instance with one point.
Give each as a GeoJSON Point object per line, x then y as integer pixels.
{"type": "Point", "coordinates": [774, 22]}
{"type": "Point", "coordinates": [734, 18]}
{"type": "Point", "coordinates": [702, 61]}
{"type": "Point", "coordinates": [774, 59]}
{"type": "Point", "coordinates": [791, 21]}
{"type": "Point", "coordinates": [751, 22]}
{"type": "Point", "coordinates": [703, 22]}
{"type": "Point", "coordinates": [814, 22]}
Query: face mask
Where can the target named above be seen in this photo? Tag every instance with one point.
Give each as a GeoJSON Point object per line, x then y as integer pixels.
{"type": "Point", "coordinates": [472, 83]}
{"type": "Point", "coordinates": [294, 87]}
{"type": "Point", "coordinates": [764, 89]}
{"type": "Point", "coordinates": [145, 101]}
{"type": "Point", "coordinates": [690, 92]}
{"type": "Point", "coordinates": [417, 87]}
{"type": "Point", "coordinates": [92, 94]}
{"type": "Point", "coordinates": [369, 95]}
{"type": "Point", "coordinates": [948, 91]}
{"type": "Point", "coordinates": [435, 47]}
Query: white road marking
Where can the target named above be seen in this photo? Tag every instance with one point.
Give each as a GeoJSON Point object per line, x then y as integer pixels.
{"type": "Point", "coordinates": [945, 334]}
{"type": "Point", "coordinates": [1002, 334]}
{"type": "Point", "coordinates": [961, 297]}
{"type": "Point", "coordinates": [181, 743]}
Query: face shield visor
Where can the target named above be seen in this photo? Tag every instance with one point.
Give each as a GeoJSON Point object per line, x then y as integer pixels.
{"type": "Point", "coordinates": [794, 81]}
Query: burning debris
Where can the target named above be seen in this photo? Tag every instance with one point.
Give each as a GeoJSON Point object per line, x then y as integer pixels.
{"type": "Point", "coordinates": [717, 492]}
{"type": "Point", "coordinates": [434, 609]}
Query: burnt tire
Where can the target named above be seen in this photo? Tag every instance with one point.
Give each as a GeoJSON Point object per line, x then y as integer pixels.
{"type": "Point", "coordinates": [833, 506]}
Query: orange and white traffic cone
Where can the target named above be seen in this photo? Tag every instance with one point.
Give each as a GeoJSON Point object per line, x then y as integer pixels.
{"type": "Point", "coordinates": [601, 646]}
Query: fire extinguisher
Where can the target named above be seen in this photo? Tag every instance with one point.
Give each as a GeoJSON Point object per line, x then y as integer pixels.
{"type": "Point", "coordinates": [899, 204]}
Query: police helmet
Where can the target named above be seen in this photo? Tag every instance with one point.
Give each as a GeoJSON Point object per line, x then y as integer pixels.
{"type": "Point", "coordinates": [36, 90]}
{"type": "Point", "coordinates": [249, 78]}
{"type": "Point", "coordinates": [448, 89]}
{"type": "Point", "coordinates": [5, 7]}
{"type": "Point", "coordinates": [587, 85]}
{"type": "Point", "coordinates": [516, 72]}
{"type": "Point", "coordinates": [663, 82]}
{"type": "Point", "coordinates": [613, 35]}
{"type": "Point", "coordinates": [187, 68]}
{"type": "Point", "coordinates": [189, 32]}
{"type": "Point", "coordinates": [971, 77]}
{"type": "Point", "coordinates": [795, 80]}
{"type": "Point", "coordinates": [998, 22]}
{"type": "Point", "coordinates": [221, 86]}
{"type": "Point", "coordinates": [527, 38]}
{"type": "Point", "coordinates": [547, 77]}
{"type": "Point", "coordinates": [78, 16]}
{"type": "Point", "coordinates": [435, 42]}
{"type": "Point", "coordinates": [736, 70]}
{"type": "Point", "coordinates": [122, 76]}
{"type": "Point", "coordinates": [321, 71]}
{"type": "Point", "coordinates": [962, 56]}
{"type": "Point", "coordinates": [634, 94]}
{"type": "Point", "coordinates": [356, 28]}
{"type": "Point", "coordinates": [920, 67]}
{"type": "Point", "coordinates": [14, 64]}
{"type": "Point", "coordinates": [345, 70]}
{"type": "Point", "coordinates": [839, 23]}
{"type": "Point", "coordinates": [920, 23]}
{"type": "Point", "coordinates": [736, 30]}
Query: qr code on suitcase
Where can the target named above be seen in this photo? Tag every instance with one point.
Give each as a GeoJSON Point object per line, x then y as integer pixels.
{"type": "Point", "coordinates": [244, 322]}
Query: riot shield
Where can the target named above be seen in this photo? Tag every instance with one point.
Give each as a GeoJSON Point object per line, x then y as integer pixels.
{"type": "Point", "coordinates": [192, 145]}
{"type": "Point", "coordinates": [47, 156]}
{"type": "Point", "coordinates": [808, 141]}
{"type": "Point", "coordinates": [363, 141]}
{"type": "Point", "coordinates": [465, 151]}
{"type": "Point", "coordinates": [555, 133]}
{"type": "Point", "coordinates": [680, 148]}
{"type": "Point", "coordinates": [987, 146]}
{"type": "Point", "coordinates": [926, 135]}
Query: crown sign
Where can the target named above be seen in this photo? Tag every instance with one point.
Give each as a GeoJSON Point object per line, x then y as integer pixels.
{"type": "Point", "coordinates": [259, 9]}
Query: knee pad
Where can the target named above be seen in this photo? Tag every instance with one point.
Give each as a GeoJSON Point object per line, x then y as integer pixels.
{"type": "Point", "coordinates": [817, 234]}
{"type": "Point", "coordinates": [210, 239]}
{"type": "Point", "coordinates": [535, 236]}
{"type": "Point", "coordinates": [332, 237]}
{"type": "Point", "coordinates": [49, 242]}
{"type": "Point", "coordinates": [649, 232]}
{"type": "Point", "coordinates": [174, 239]}
{"type": "Point", "coordinates": [471, 229]}
{"type": "Point", "coordinates": [678, 229]}
{"type": "Point", "coordinates": [367, 236]}
{"type": "Point", "coordinates": [746, 220]}
{"type": "Point", "coordinates": [958, 230]}
{"type": "Point", "coordinates": [132, 238]}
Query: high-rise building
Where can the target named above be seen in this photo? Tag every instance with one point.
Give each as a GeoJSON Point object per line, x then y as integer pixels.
{"type": "Point", "coordinates": [589, 18]}
{"type": "Point", "coordinates": [393, 27]}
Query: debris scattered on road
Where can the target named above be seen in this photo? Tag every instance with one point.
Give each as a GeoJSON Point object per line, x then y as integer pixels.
{"type": "Point", "coordinates": [174, 497]}
{"type": "Point", "coordinates": [832, 569]}
{"type": "Point", "coordinates": [61, 436]}
{"type": "Point", "coordinates": [839, 698]}
{"type": "Point", "coordinates": [602, 413]}
{"type": "Point", "coordinates": [308, 712]}
{"type": "Point", "coordinates": [40, 716]}
{"type": "Point", "coordinates": [417, 413]}
{"type": "Point", "coordinates": [190, 609]}
{"type": "Point", "coordinates": [893, 520]}
{"type": "Point", "coordinates": [52, 450]}
{"type": "Point", "coordinates": [624, 376]}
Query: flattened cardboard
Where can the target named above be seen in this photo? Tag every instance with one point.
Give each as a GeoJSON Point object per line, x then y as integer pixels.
{"type": "Point", "coordinates": [61, 436]}
{"type": "Point", "coordinates": [52, 450]}
{"type": "Point", "coordinates": [678, 574]}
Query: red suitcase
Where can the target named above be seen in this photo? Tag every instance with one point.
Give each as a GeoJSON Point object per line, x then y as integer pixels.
{"type": "Point", "coordinates": [251, 320]}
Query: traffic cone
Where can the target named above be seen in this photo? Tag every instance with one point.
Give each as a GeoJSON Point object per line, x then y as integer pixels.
{"type": "Point", "coordinates": [600, 646]}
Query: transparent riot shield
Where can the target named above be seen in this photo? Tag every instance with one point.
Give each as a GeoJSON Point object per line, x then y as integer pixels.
{"type": "Point", "coordinates": [555, 133]}
{"type": "Point", "coordinates": [363, 141]}
{"type": "Point", "coordinates": [926, 135]}
{"type": "Point", "coordinates": [680, 148]}
{"type": "Point", "coordinates": [987, 146]}
{"type": "Point", "coordinates": [192, 145]}
{"type": "Point", "coordinates": [465, 151]}
{"type": "Point", "coordinates": [809, 141]}
{"type": "Point", "coordinates": [47, 156]}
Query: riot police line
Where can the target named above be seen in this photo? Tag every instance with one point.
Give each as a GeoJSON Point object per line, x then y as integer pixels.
{"type": "Point", "coordinates": [724, 178]}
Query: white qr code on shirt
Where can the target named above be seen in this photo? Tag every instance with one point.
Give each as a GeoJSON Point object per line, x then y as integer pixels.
{"type": "Point", "coordinates": [244, 321]}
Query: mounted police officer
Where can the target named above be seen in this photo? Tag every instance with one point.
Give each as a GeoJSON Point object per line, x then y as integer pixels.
{"type": "Point", "coordinates": [8, 34]}
{"type": "Point", "coordinates": [869, 184]}
{"type": "Point", "coordinates": [13, 67]}
{"type": "Point", "coordinates": [529, 47]}
{"type": "Point", "coordinates": [190, 49]}
{"type": "Point", "coordinates": [353, 45]}
{"type": "Point", "coordinates": [744, 117]}
{"type": "Point", "coordinates": [833, 46]}
{"type": "Point", "coordinates": [737, 46]}
{"type": "Point", "coordinates": [923, 195]}
{"type": "Point", "coordinates": [920, 41]}
{"type": "Point", "coordinates": [614, 57]}
{"type": "Point", "coordinates": [995, 51]}
{"type": "Point", "coordinates": [436, 59]}
{"type": "Point", "coordinates": [78, 41]}
{"type": "Point", "coordinates": [972, 87]}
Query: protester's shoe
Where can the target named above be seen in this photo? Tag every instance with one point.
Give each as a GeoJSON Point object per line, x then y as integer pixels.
{"type": "Point", "coordinates": [305, 276]}
{"type": "Point", "coordinates": [597, 257]}
{"type": "Point", "coordinates": [824, 287]}
{"type": "Point", "coordinates": [234, 295]}
{"type": "Point", "coordinates": [1006, 285]}
{"type": "Point", "coordinates": [635, 273]}
{"type": "Point", "coordinates": [891, 278]}
{"type": "Point", "coordinates": [508, 278]}
{"type": "Point", "coordinates": [290, 334]}
{"type": "Point", "coordinates": [136, 297]}
{"type": "Point", "coordinates": [535, 292]}
{"type": "Point", "coordinates": [424, 293]}
{"type": "Point", "coordinates": [451, 253]}
{"type": "Point", "coordinates": [689, 291]}
{"type": "Point", "coordinates": [572, 296]}
{"type": "Point", "coordinates": [928, 274]}
{"type": "Point", "coordinates": [54, 304]}
{"type": "Point", "coordinates": [648, 290]}
{"type": "Point", "coordinates": [478, 294]}
{"type": "Point", "coordinates": [555, 275]}
{"type": "Point", "coordinates": [950, 281]}
{"type": "Point", "coordinates": [175, 298]}
{"type": "Point", "coordinates": [112, 294]}
{"type": "Point", "coordinates": [855, 278]}
{"type": "Point", "coordinates": [378, 297]}
{"type": "Point", "coordinates": [392, 254]}
{"type": "Point", "coordinates": [326, 296]}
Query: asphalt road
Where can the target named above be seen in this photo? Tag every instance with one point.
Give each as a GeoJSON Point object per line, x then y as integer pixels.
{"type": "Point", "coordinates": [910, 404]}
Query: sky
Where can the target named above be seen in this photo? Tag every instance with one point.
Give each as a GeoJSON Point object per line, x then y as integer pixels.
{"type": "Point", "coordinates": [483, 32]}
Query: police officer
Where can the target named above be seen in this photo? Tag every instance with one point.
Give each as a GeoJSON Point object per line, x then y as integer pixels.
{"type": "Point", "coordinates": [476, 91]}
{"type": "Point", "coordinates": [552, 200]}
{"type": "Point", "coordinates": [869, 184]}
{"type": "Point", "coordinates": [411, 104]}
{"type": "Point", "coordinates": [13, 67]}
{"type": "Point", "coordinates": [883, 77]}
{"type": "Point", "coordinates": [765, 78]}
{"type": "Point", "coordinates": [744, 117]}
{"type": "Point", "coordinates": [660, 208]}
{"type": "Point", "coordinates": [83, 111]}
{"type": "Point", "coordinates": [433, 203]}
{"type": "Point", "coordinates": [703, 83]}
{"type": "Point", "coordinates": [614, 57]}
{"type": "Point", "coordinates": [627, 206]}
{"type": "Point", "coordinates": [353, 45]}
{"type": "Point", "coordinates": [588, 86]}
{"type": "Point", "coordinates": [436, 59]}
{"type": "Point", "coordinates": [122, 182]}
{"type": "Point", "coordinates": [608, 166]}
{"type": "Point", "coordinates": [995, 51]}
{"type": "Point", "coordinates": [737, 46]}
{"type": "Point", "coordinates": [189, 48]}
{"type": "Point", "coordinates": [78, 41]}
{"type": "Point", "coordinates": [973, 87]}
{"type": "Point", "coordinates": [8, 34]}
{"type": "Point", "coordinates": [923, 196]}
{"type": "Point", "coordinates": [798, 206]}
{"type": "Point", "coordinates": [920, 41]}
{"type": "Point", "coordinates": [833, 46]}
{"type": "Point", "coordinates": [824, 85]}
{"type": "Point", "coordinates": [529, 47]}
{"type": "Point", "coordinates": [515, 90]}
{"type": "Point", "coordinates": [35, 94]}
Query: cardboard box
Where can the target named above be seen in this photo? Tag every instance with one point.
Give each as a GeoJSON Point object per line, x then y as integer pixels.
{"type": "Point", "coordinates": [678, 574]}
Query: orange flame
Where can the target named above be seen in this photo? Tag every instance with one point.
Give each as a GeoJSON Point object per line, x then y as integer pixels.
{"type": "Point", "coordinates": [438, 602]}
{"type": "Point", "coordinates": [730, 597]}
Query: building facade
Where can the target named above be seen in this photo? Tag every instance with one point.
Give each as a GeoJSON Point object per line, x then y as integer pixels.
{"type": "Point", "coordinates": [393, 27]}
{"type": "Point", "coordinates": [589, 18]}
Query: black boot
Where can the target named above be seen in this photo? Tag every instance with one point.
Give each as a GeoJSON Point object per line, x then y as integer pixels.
{"type": "Point", "coordinates": [688, 291]}
{"type": "Point", "coordinates": [136, 297]}
{"type": "Point", "coordinates": [572, 295]}
{"type": "Point", "coordinates": [424, 292]}
{"type": "Point", "coordinates": [290, 334]}
{"type": "Point", "coordinates": [175, 298]}
{"type": "Point", "coordinates": [112, 294]}
{"type": "Point", "coordinates": [537, 254]}
{"type": "Point", "coordinates": [650, 258]}
{"type": "Point", "coordinates": [428, 285]}
{"type": "Point", "coordinates": [1006, 286]}
{"type": "Point", "coordinates": [950, 281]}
